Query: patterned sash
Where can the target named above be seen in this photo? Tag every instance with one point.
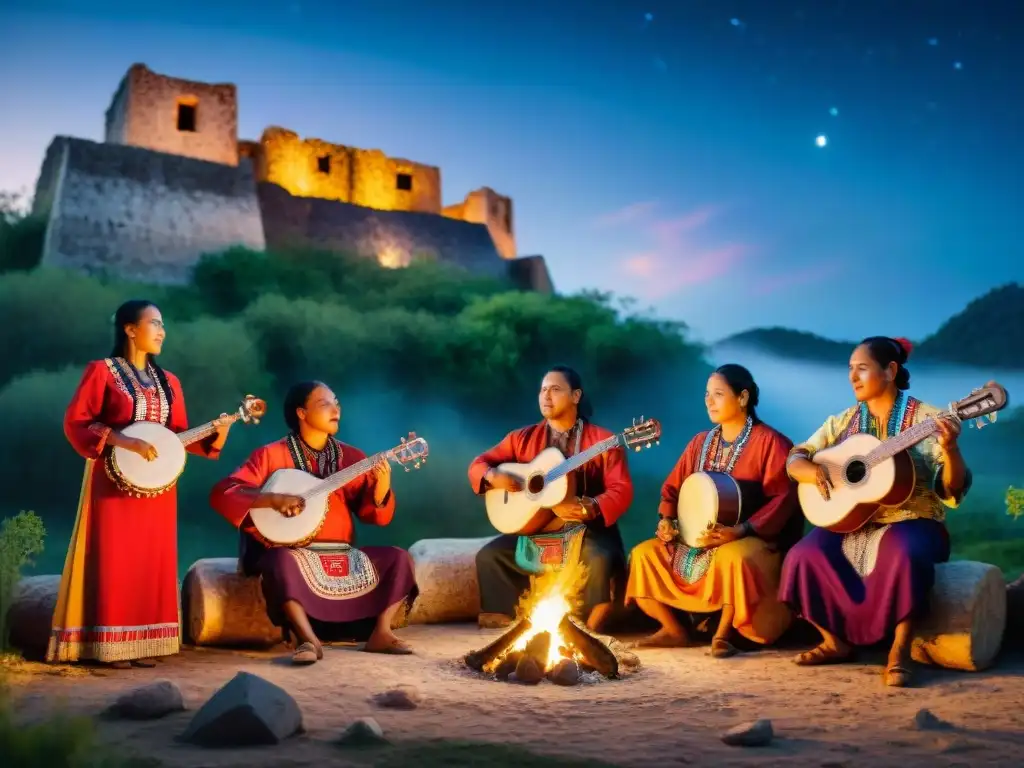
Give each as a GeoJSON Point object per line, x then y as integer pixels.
{"type": "Point", "coordinates": [336, 571]}
{"type": "Point", "coordinates": [691, 563]}
{"type": "Point", "coordinates": [545, 552]}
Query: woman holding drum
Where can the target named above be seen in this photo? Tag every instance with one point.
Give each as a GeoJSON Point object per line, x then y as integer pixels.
{"type": "Point", "coordinates": [118, 598]}
{"type": "Point", "coordinates": [737, 466]}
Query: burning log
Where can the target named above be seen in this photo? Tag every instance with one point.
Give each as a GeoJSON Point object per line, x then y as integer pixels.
{"type": "Point", "coordinates": [594, 652]}
{"type": "Point", "coordinates": [478, 660]}
{"type": "Point", "coordinates": [532, 663]}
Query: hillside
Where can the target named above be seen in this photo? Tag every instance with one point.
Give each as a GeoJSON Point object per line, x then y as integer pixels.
{"type": "Point", "coordinates": [988, 332]}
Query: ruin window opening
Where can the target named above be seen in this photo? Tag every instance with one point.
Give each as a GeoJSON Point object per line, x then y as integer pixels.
{"type": "Point", "coordinates": [323, 164]}
{"type": "Point", "coordinates": [187, 118]}
{"type": "Point", "coordinates": [403, 181]}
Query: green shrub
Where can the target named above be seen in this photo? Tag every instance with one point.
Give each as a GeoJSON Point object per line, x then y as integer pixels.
{"type": "Point", "coordinates": [21, 539]}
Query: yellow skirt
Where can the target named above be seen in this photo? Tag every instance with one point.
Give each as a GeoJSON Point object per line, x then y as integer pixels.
{"type": "Point", "coordinates": [743, 573]}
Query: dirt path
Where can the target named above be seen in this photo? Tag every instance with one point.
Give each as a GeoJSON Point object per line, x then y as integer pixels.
{"type": "Point", "coordinates": [671, 712]}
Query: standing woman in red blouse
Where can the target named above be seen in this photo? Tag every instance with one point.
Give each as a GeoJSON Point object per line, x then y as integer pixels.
{"type": "Point", "coordinates": [118, 599]}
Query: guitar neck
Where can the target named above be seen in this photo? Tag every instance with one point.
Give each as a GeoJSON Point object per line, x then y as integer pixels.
{"type": "Point", "coordinates": [345, 476]}
{"type": "Point", "coordinates": [904, 440]}
{"type": "Point", "coordinates": [575, 462]}
{"type": "Point", "coordinates": [196, 434]}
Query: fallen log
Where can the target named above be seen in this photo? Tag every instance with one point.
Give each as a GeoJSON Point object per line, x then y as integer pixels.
{"type": "Point", "coordinates": [594, 652]}
{"type": "Point", "coordinates": [967, 618]}
{"type": "Point", "coordinates": [478, 660]}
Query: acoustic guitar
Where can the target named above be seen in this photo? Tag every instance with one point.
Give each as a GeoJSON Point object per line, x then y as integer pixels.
{"type": "Point", "coordinates": [274, 529]}
{"type": "Point", "coordinates": [139, 477]}
{"type": "Point", "coordinates": [547, 481]}
{"type": "Point", "coordinates": [869, 474]}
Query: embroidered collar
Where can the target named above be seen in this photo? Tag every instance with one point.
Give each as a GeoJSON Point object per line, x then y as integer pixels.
{"type": "Point", "coordinates": [711, 452]}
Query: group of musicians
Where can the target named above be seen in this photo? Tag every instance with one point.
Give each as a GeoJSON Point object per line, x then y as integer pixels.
{"type": "Point", "coordinates": [118, 602]}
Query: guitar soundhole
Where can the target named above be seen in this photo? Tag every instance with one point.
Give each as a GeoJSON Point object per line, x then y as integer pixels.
{"type": "Point", "coordinates": [535, 484]}
{"type": "Point", "coordinates": [856, 471]}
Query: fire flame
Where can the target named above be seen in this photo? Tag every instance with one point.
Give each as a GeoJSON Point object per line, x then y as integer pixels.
{"type": "Point", "coordinates": [550, 598]}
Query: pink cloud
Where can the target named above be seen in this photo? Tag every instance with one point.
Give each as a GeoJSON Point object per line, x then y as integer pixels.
{"type": "Point", "coordinates": [678, 255]}
{"type": "Point", "coordinates": [813, 273]}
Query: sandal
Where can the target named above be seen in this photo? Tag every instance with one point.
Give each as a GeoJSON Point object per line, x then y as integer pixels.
{"type": "Point", "coordinates": [662, 640]}
{"type": "Point", "coordinates": [820, 656]}
{"type": "Point", "coordinates": [145, 663]}
{"type": "Point", "coordinates": [897, 676]}
{"type": "Point", "coordinates": [307, 653]}
{"type": "Point", "coordinates": [722, 648]}
{"type": "Point", "coordinates": [395, 648]}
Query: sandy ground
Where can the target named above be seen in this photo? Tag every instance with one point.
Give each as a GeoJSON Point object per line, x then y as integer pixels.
{"type": "Point", "coordinates": [671, 712]}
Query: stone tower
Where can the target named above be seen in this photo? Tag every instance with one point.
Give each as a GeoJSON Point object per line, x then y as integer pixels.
{"type": "Point", "coordinates": [179, 117]}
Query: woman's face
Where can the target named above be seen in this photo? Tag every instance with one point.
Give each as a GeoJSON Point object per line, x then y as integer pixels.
{"type": "Point", "coordinates": [322, 411]}
{"type": "Point", "coordinates": [868, 379]}
{"type": "Point", "coordinates": [722, 403]}
{"type": "Point", "coordinates": [148, 333]}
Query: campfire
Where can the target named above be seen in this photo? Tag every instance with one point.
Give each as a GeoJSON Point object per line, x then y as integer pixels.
{"type": "Point", "coordinates": [547, 641]}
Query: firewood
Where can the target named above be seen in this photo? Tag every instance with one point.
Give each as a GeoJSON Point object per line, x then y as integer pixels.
{"type": "Point", "coordinates": [477, 660]}
{"type": "Point", "coordinates": [507, 665]}
{"type": "Point", "coordinates": [538, 648]}
{"type": "Point", "coordinates": [594, 652]}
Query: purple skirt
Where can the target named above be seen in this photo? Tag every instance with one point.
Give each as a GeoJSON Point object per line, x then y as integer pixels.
{"type": "Point", "coordinates": [341, 594]}
{"type": "Point", "coordinates": [820, 583]}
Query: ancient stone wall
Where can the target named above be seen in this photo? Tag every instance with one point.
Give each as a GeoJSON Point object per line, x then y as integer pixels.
{"type": "Point", "coordinates": [393, 238]}
{"type": "Point", "coordinates": [180, 117]}
{"type": "Point", "coordinates": [530, 273]}
{"type": "Point", "coordinates": [485, 206]}
{"type": "Point", "coordinates": [366, 177]}
{"type": "Point", "coordinates": [142, 215]}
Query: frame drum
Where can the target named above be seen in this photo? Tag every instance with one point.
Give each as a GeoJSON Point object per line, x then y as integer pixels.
{"type": "Point", "coordinates": [706, 499]}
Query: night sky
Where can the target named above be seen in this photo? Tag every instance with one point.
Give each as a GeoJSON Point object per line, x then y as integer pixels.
{"type": "Point", "coordinates": [666, 150]}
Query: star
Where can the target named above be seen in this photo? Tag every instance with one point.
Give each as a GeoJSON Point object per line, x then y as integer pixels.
{"type": "Point", "coordinates": [933, 41]}
{"type": "Point", "coordinates": [822, 140]}
{"type": "Point", "coordinates": [648, 17]}
{"type": "Point", "coordinates": [834, 111]}
{"type": "Point", "coordinates": [958, 65]}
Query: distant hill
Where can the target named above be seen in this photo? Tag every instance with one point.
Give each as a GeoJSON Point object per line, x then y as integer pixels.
{"type": "Point", "coordinates": [989, 332]}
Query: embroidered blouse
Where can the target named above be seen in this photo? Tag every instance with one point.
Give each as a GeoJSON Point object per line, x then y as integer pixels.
{"type": "Point", "coordinates": [930, 499]}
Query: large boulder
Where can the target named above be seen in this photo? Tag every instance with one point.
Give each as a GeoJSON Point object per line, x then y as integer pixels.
{"type": "Point", "coordinates": [248, 711]}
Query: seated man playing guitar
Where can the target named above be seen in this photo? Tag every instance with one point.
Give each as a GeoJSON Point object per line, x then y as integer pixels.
{"type": "Point", "coordinates": [603, 492]}
{"type": "Point", "coordinates": [325, 582]}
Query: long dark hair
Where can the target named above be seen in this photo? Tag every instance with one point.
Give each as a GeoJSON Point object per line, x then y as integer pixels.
{"type": "Point", "coordinates": [739, 379]}
{"type": "Point", "coordinates": [298, 395]}
{"type": "Point", "coordinates": [584, 409]}
{"type": "Point", "coordinates": [129, 314]}
{"type": "Point", "coordinates": [885, 350]}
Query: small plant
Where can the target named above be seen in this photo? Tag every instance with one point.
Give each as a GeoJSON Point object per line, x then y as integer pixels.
{"type": "Point", "coordinates": [1015, 502]}
{"type": "Point", "coordinates": [21, 539]}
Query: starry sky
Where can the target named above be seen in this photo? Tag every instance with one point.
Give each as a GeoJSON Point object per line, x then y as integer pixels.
{"type": "Point", "coordinates": [668, 151]}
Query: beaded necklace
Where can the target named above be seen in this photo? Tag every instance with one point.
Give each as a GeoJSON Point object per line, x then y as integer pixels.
{"type": "Point", "coordinates": [714, 446]}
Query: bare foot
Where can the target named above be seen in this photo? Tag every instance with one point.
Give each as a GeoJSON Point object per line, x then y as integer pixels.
{"type": "Point", "coordinates": [825, 654]}
{"type": "Point", "coordinates": [386, 643]}
{"type": "Point", "coordinates": [663, 638]}
{"type": "Point", "coordinates": [897, 672]}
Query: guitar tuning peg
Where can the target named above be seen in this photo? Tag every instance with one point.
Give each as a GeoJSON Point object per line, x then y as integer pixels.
{"type": "Point", "coordinates": [417, 465]}
{"type": "Point", "coordinates": [992, 417]}
{"type": "Point", "coordinates": [637, 449]}
{"type": "Point", "coordinates": [657, 442]}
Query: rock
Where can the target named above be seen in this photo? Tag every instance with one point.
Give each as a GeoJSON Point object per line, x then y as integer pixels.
{"type": "Point", "coordinates": [248, 711]}
{"type": "Point", "coordinates": [364, 732]}
{"type": "Point", "coordinates": [756, 734]}
{"type": "Point", "coordinates": [402, 697]}
{"type": "Point", "coordinates": [31, 613]}
{"type": "Point", "coordinates": [924, 720]}
{"type": "Point", "coordinates": [528, 671]}
{"type": "Point", "coordinates": [446, 577]}
{"type": "Point", "coordinates": [147, 702]}
{"type": "Point", "coordinates": [565, 672]}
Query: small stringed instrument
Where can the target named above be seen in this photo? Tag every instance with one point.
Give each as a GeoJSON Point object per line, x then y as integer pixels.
{"type": "Point", "coordinates": [707, 499]}
{"type": "Point", "coordinates": [869, 474]}
{"type": "Point", "coordinates": [275, 529]}
{"type": "Point", "coordinates": [136, 476]}
{"type": "Point", "coordinates": [547, 481]}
